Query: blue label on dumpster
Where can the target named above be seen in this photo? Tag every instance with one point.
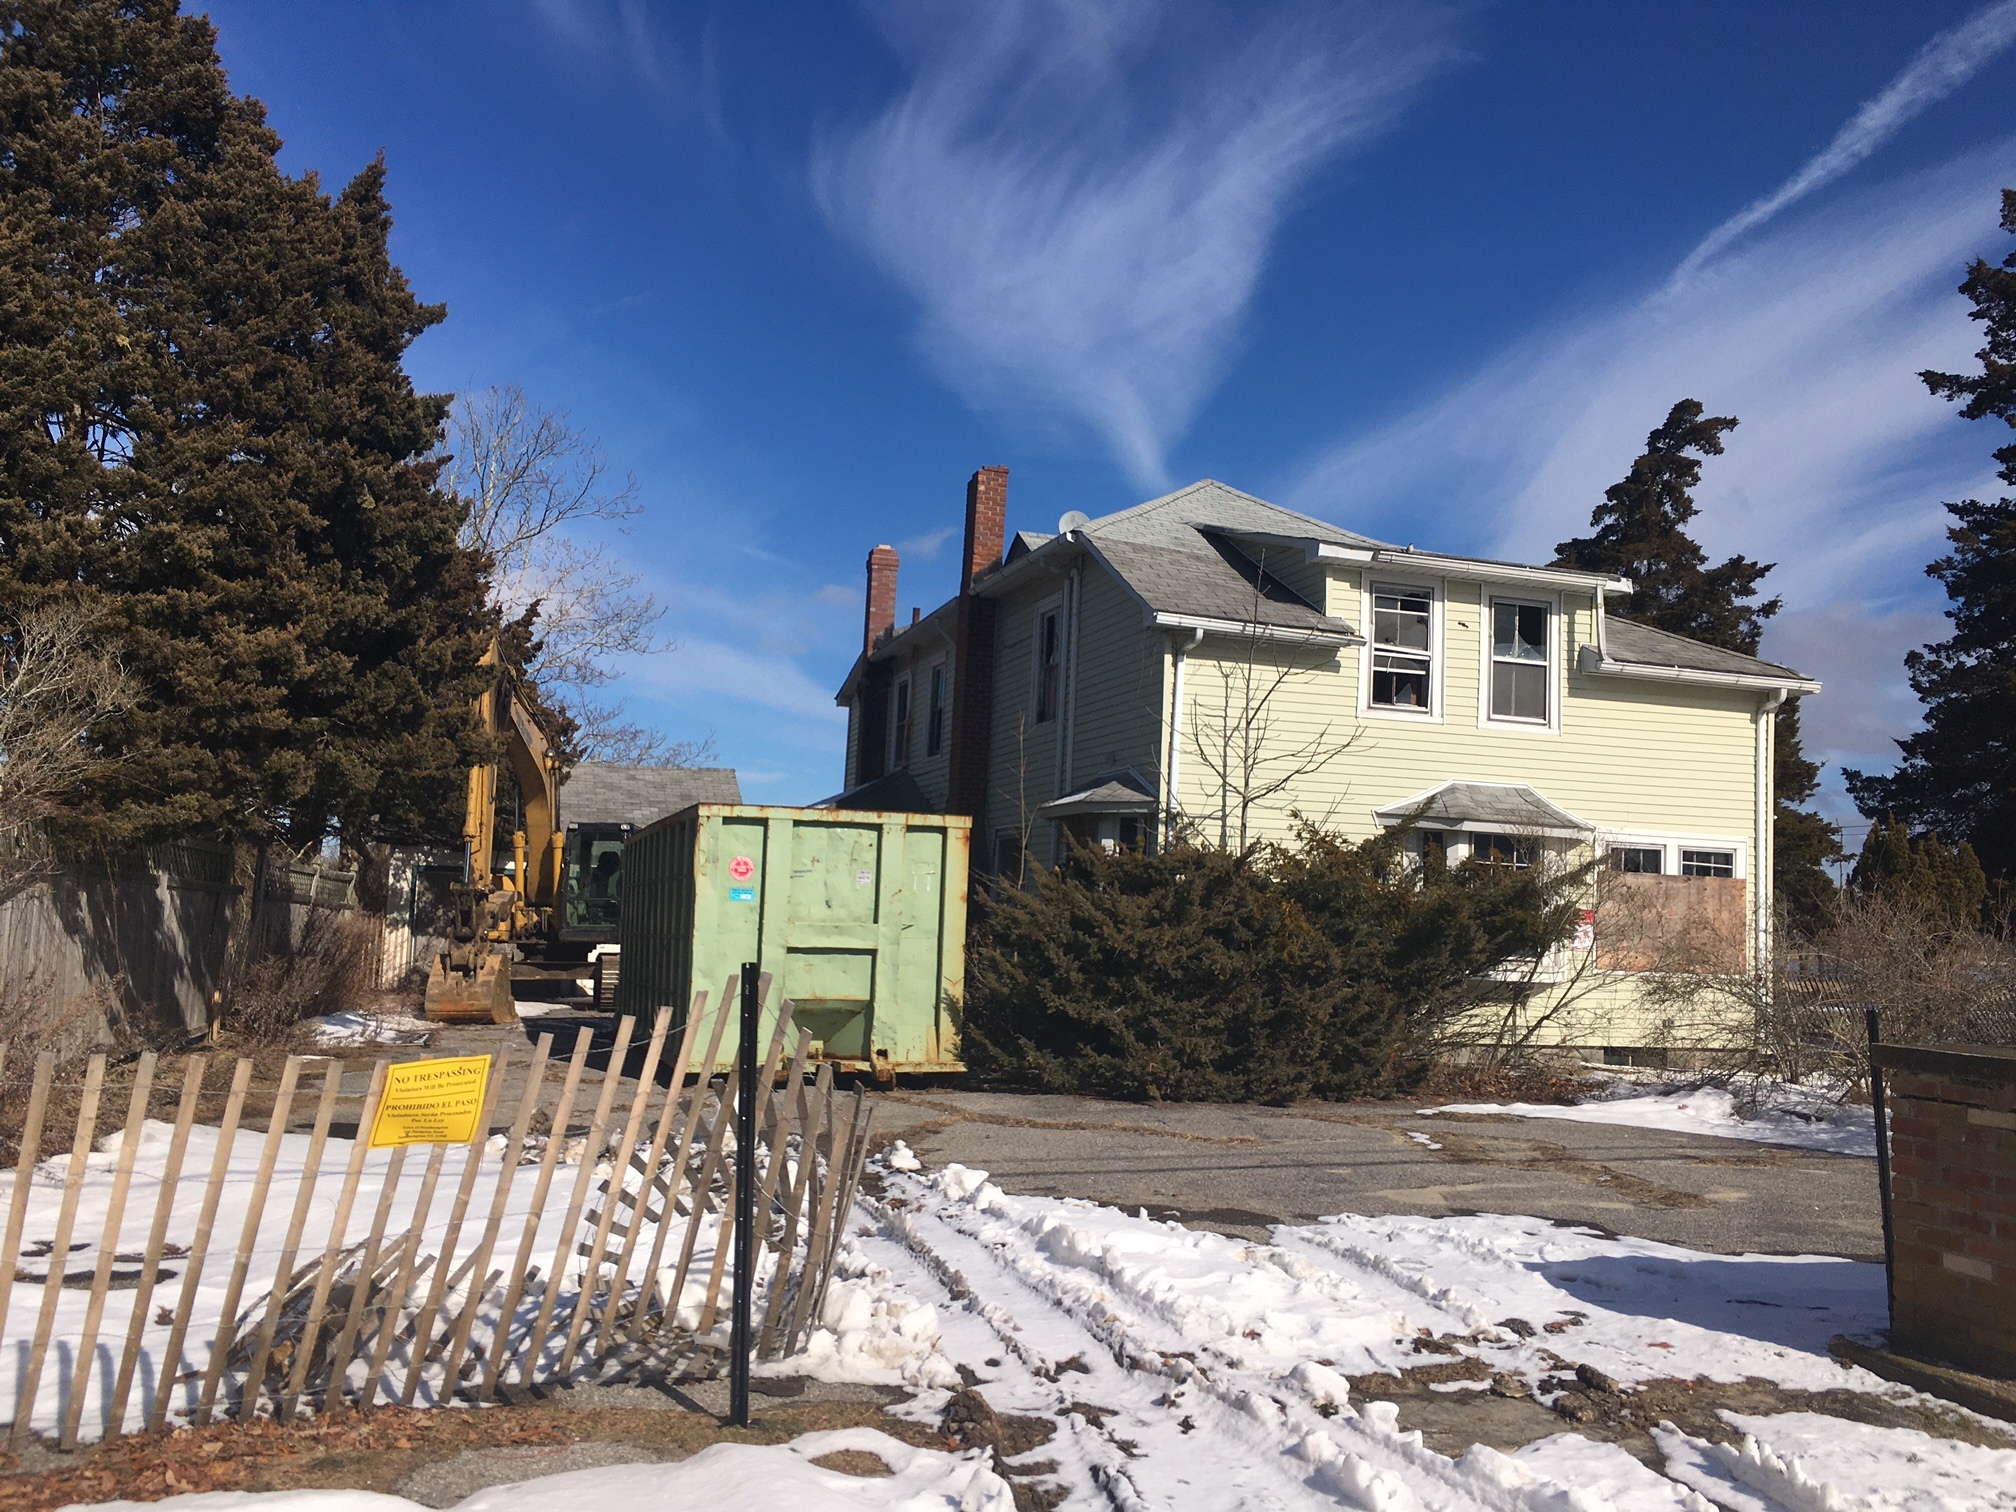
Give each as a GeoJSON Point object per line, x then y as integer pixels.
{"type": "Point", "coordinates": [741, 895]}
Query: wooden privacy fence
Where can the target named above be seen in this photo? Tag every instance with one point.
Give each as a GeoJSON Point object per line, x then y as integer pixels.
{"type": "Point", "coordinates": [395, 1276]}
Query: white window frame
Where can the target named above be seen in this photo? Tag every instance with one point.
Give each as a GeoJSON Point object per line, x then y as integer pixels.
{"type": "Point", "coordinates": [1670, 843]}
{"type": "Point", "coordinates": [1488, 599]}
{"type": "Point", "coordinates": [1052, 605]}
{"type": "Point", "coordinates": [1435, 592]}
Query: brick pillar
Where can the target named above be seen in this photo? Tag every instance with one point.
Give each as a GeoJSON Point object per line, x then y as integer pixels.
{"type": "Point", "coordinates": [881, 613]}
{"type": "Point", "coordinates": [986, 522]}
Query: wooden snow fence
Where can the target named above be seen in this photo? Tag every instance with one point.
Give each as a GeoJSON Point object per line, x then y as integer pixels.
{"type": "Point", "coordinates": [354, 1277]}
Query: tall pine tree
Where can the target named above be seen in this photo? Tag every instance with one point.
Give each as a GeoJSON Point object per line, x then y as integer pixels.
{"type": "Point", "coordinates": [206, 434]}
{"type": "Point", "coordinates": [1958, 775]}
{"type": "Point", "coordinates": [1641, 533]}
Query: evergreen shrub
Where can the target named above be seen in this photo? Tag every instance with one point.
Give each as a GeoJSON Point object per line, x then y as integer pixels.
{"type": "Point", "coordinates": [1321, 968]}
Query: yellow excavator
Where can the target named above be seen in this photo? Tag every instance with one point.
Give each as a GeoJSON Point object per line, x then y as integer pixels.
{"type": "Point", "coordinates": [470, 981]}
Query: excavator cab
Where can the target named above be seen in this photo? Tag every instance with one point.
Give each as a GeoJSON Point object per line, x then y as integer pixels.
{"type": "Point", "coordinates": [591, 883]}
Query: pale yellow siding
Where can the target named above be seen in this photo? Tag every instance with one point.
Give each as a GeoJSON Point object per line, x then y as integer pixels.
{"type": "Point", "coordinates": [1636, 759]}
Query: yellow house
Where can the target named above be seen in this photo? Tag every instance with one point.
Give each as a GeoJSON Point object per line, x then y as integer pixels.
{"type": "Point", "coordinates": [1211, 663]}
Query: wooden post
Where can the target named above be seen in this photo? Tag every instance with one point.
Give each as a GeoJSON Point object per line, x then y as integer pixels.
{"type": "Point", "coordinates": [59, 1256]}
{"type": "Point", "coordinates": [786, 1104]}
{"type": "Point", "coordinates": [670, 1210]}
{"type": "Point", "coordinates": [749, 1098]}
{"type": "Point", "coordinates": [625, 1153]}
{"type": "Point", "coordinates": [199, 1244]}
{"type": "Point", "coordinates": [283, 1273]}
{"type": "Point", "coordinates": [850, 1175]}
{"type": "Point", "coordinates": [666, 1114]}
{"type": "Point", "coordinates": [157, 1239]}
{"type": "Point", "coordinates": [500, 1197]}
{"type": "Point", "coordinates": [521, 1268]}
{"type": "Point", "coordinates": [810, 1111]}
{"type": "Point", "coordinates": [227, 1321]}
{"type": "Point", "coordinates": [590, 1152]}
{"type": "Point", "coordinates": [108, 1248]}
{"type": "Point", "coordinates": [822, 1212]}
{"type": "Point", "coordinates": [325, 1278]}
{"type": "Point", "coordinates": [703, 1187]}
{"type": "Point", "coordinates": [24, 1177]}
{"type": "Point", "coordinates": [423, 1326]}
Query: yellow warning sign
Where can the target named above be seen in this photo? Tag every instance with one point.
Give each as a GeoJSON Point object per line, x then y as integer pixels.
{"type": "Point", "coordinates": [431, 1101]}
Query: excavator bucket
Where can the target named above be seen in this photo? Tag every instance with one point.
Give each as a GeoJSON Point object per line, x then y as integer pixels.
{"type": "Point", "coordinates": [481, 996]}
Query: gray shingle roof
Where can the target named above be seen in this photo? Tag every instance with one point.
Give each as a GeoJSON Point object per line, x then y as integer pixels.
{"type": "Point", "coordinates": [896, 792]}
{"type": "Point", "coordinates": [1509, 806]}
{"type": "Point", "coordinates": [1178, 554]}
{"type": "Point", "coordinates": [1642, 646]}
{"type": "Point", "coordinates": [597, 792]}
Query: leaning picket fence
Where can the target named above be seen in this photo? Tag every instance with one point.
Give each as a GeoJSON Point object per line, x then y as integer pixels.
{"type": "Point", "coordinates": [601, 1256]}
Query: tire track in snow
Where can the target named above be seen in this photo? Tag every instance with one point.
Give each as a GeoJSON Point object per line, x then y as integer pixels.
{"type": "Point", "coordinates": [1055, 1294]}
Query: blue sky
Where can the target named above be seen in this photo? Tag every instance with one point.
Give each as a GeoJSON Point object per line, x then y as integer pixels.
{"type": "Point", "coordinates": [1430, 271]}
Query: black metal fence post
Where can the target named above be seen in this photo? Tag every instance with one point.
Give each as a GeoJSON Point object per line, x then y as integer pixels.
{"type": "Point", "coordinates": [1872, 1018]}
{"type": "Point", "coordinates": [745, 1205]}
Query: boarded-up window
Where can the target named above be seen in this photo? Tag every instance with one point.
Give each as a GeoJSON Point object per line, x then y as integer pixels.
{"type": "Point", "coordinates": [1647, 922]}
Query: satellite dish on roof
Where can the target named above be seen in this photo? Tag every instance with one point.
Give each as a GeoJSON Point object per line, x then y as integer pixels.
{"type": "Point", "coordinates": [1072, 520]}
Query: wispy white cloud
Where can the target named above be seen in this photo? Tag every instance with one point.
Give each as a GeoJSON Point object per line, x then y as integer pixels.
{"type": "Point", "coordinates": [1813, 335]}
{"type": "Point", "coordinates": [1945, 63]}
{"type": "Point", "coordinates": [1080, 195]}
{"type": "Point", "coordinates": [926, 547]}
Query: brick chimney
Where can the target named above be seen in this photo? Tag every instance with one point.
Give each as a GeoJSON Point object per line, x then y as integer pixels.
{"type": "Point", "coordinates": [986, 522]}
{"type": "Point", "coordinates": [881, 615]}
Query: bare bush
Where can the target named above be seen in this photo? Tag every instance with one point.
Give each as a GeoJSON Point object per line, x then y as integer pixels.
{"type": "Point", "coordinates": [328, 969]}
{"type": "Point", "coordinates": [36, 1015]}
{"type": "Point", "coordinates": [57, 688]}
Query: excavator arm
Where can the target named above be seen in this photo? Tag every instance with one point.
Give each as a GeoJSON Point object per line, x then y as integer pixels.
{"type": "Point", "coordinates": [470, 981]}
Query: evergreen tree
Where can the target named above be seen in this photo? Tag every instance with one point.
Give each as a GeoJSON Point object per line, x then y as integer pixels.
{"type": "Point", "coordinates": [1945, 881]}
{"type": "Point", "coordinates": [206, 431]}
{"type": "Point", "coordinates": [1958, 775]}
{"type": "Point", "coordinates": [1641, 533]}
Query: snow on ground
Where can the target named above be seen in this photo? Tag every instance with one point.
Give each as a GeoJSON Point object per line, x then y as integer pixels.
{"type": "Point", "coordinates": [1812, 1463]}
{"type": "Point", "coordinates": [1195, 1371]}
{"type": "Point", "coordinates": [723, 1478]}
{"type": "Point", "coordinates": [1768, 1111]}
{"type": "Point", "coordinates": [349, 1028]}
{"type": "Point", "coordinates": [59, 1374]}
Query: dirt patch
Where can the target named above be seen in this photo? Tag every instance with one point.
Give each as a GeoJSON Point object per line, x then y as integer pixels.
{"type": "Point", "coordinates": [375, 1451]}
{"type": "Point", "coordinates": [853, 1462]}
{"type": "Point", "coordinates": [1540, 1155]}
{"type": "Point", "coordinates": [1498, 1414]}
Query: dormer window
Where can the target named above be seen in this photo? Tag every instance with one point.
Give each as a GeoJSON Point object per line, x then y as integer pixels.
{"type": "Point", "coordinates": [1403, 651]}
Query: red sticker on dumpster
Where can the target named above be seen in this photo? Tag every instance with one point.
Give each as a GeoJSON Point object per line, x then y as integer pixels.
{"type": "Point", "coordinates": [741, 868]}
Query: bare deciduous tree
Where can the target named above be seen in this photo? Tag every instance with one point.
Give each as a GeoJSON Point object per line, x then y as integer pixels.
{"type": "Point", "coordinates": [58, 686]}
{"type": "Point", "coordinates": [536, 487]}
{"type": "Point", "coordinates": [1247, 743]}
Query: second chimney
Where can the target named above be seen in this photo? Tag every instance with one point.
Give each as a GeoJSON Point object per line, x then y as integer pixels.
{"type": "Point", "coordinates": [881, 615]}
{"type": "Point", "coordinates": [986, 523]}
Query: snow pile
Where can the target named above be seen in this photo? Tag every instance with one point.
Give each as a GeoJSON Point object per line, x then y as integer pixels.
{"type": "Point", "coordinates": [1805, 1462]}
{"type": "Point", "coordinates": [872, 1331]}
{"type": "Point", "coordinates": [722, 1478]}
{"type": "Point", "coordinates": [1760, 1109]}
{"type": "Point", "coordinates": [348, 1028]}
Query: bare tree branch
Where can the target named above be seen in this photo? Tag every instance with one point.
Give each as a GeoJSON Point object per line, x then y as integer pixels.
{"type": "Point", "coordinates": [532, 482]}
{"type": "Point", "coordinates": [57, 687]}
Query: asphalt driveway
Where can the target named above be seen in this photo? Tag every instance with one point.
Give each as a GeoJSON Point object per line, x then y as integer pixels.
{"type": "Point", "coordinates": [1238, 1168]}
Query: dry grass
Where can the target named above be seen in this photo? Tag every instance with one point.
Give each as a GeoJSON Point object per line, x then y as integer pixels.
{"type": "Point", "coordinates": [330, 968]}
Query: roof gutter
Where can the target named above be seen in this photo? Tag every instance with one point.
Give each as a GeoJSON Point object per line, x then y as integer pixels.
{"type": "Point", "coordinates": [1594, 663]}
{"type": "Point", "coordinates": [1473, 567]}
{"type": "Point", "coordinates": [1201, 626]}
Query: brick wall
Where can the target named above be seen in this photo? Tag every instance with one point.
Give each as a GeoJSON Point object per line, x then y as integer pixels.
{"type": "Point", "coordinates": [1953, 1204]}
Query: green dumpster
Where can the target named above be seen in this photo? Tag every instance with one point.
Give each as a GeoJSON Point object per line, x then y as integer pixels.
{"type": "Point", "coordinates": [859, 916]}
